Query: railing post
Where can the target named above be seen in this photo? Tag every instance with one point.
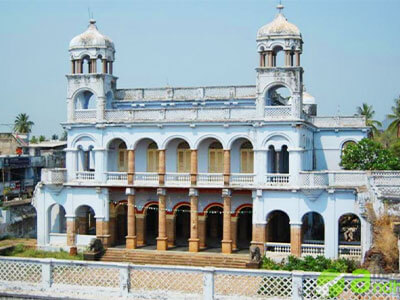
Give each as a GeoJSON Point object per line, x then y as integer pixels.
{"type": "Point", "coordinates": [46, 274]}
{"type": "Point", "coordinates": [331, 179]}
{"type": "Point", "coordinates": [208, 283]}
{"type": "Point", "coordinates": [124, 280]}
{"type": "Point", "coordinates": [297, 285]}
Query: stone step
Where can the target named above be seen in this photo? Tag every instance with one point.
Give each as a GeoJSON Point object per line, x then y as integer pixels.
{"type": "Point", "coordinates": [200, 259]}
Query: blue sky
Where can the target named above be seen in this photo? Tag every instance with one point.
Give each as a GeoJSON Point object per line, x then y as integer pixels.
{"type": "Point", "coordinates": [350, 55]}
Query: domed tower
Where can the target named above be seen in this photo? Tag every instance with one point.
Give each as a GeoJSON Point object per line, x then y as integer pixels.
{"type": "Point", "coordinates": [91, 82]}
{"type": "Point", "coordinates": [279, 44]}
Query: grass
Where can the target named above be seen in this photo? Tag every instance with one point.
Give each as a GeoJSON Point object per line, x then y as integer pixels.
{"type": "Point", "coordinates": [21, 250]}
{"type": "Point", "coordinates": [8, 241]}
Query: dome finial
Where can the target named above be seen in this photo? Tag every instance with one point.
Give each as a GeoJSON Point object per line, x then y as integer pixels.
{"type": "Point", "coordinates": [280, 7]}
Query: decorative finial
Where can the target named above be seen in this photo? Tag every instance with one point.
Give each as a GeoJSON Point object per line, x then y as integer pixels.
{"type": "Point", "coordinates": [280, 7]}
{"type": "Point", "coordinates": [92, 21]}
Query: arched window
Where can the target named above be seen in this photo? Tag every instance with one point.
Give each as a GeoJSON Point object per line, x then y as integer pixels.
{"type": "Point", "coordinates": [278, 96]}
{"type": "Point", "coordinates": [183, 158]}
{"type": "Point", "coordinates": [85, 220]}
{"type": "Point", "coordinates": [86, 65]}
{"type": "Point", "coordinates": [152, 157]}
{"type": "Point", "coordinates": [345, 145]}
{"type": "Point", "coordinates": [122, 158]}
{"type": "Point", "coordinates": [278, 57]}
{"type": "Point", "coordinates": [215, 158]}
{"type": "Point", "coordinates": [246, 158]}
{"type": "Point", "coordinates": [312, 228]}
{"type": "Point", "coordinates": [278, 227]}
{"type": "Point", "coordinates": [85, 100]}
{"type": "Point", "coordinates": [57, 220]}
{"type": "Point", "coordinates": [349, 230]}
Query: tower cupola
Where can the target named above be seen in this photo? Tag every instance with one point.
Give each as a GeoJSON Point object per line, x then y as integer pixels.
{"type": "Point", "coordinates": [91, 51]}
{"type": "Point", "coordinates": [276, 37]}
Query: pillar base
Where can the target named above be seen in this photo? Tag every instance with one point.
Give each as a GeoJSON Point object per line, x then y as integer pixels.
{"type": "Point", "coordinates": [227, 247]}
{"type": "Point", "coordinates": [131, 242]}
{"type": "Point", "coordinates": [162, 243]}
{"type": "Point", "coordinates": [105, 239]}
{"type": "Point", "coordinates": [194, 245]}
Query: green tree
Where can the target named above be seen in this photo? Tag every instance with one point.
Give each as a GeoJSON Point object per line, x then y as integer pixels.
{"type": "Point", "coordinates": [54, 137]}
{"type": "Point", "coordinates": [395, 148]}
{"type": "Point", "coordinates": [368, 112]}
{"type": "Point", "coordinates": [42, 138]}
{"type": "Point", "coordinates": [386, 138]}
{"type": "Point", "coordinates": [33, 140]}
{"type": "Point", "coordinates": [64, 136]}
{"type": "Point", "coordinates": [369, 155]}
{"type": "Point", "coordinates": [22, 124]}
{"type": "Point", "coordinates": [395, 117]}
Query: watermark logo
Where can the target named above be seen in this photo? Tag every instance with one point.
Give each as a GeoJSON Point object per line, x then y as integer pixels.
{"type": "Point", "coordinates": [332, 284]}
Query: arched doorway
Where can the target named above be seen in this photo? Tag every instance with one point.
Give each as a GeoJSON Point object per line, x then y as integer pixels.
{"type": "Point", "coordinates": [278, 227]}
{"type": "Point", "coordinates": [313, 229]}
{"type": "Point", "coordinates": [121, 228]}
{"type": "Point", "coordinates": [244, 228]}
{"type": "Point", "coordinates": [57, 221]}
{"type": "Point", "coordinates": [151, 231]}
{"type": "Point", "coordinates": [182, 226]}
{"type": "Point", "coordinates": [349, 230]}
{"type": "Point", "coordinates": [85, 221]}
{"type": "Point", "coordinates": [214, 227]}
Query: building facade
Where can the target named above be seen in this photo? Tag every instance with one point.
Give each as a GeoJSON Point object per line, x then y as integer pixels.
{"type": "Point", "coordinates": [204, 167]}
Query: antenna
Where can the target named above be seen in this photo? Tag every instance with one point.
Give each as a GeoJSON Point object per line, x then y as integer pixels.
{"type": "Point", "coordinates": [280, 7]}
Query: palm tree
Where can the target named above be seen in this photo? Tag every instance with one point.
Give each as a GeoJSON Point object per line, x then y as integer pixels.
{"type": "Point", "coordinates": [395, 116]}
{"type": "Point", "coordinates": [22, 124]}
{"type": "Point", "coordinates": [368, 112]}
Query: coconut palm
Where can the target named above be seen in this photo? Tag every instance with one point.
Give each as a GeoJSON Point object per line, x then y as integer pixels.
{"type": "Point", "coordinates": [22, 124]}
{"type": "Point", "coordinates": [368, 112]}
{"type": "Point", "coordinates": [395, 117]}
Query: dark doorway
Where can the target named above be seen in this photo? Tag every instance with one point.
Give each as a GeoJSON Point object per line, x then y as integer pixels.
{"type": "Point", "coordinates": [151, 231]}
{"type": "Point", "coordinates": [244, 228]}
{"type": "Point", "coordinates": [214, 227]}
{"type": "Point", "coordinates": [121, 226]}
{"type": "Point", "coordinates": [278, 227]}
{"type": "Point", "coordinates": [182, 226]}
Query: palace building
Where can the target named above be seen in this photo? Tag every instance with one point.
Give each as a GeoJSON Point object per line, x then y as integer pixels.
{"type": "Point", "coordinates": [194, 168]}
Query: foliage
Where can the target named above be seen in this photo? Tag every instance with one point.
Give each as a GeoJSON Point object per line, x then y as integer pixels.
{"type": "Point", "coordinates": [309, 263]}
{"type": "Point", "coordinates": [20, 250]}
{"type": "Point", "coordinates": [386, 138]}
{"type": "Point", "coordinates": [54, 137]}
{"type": "Point", "coordinates": [395, 148]}
{"type": "Point", "coordinates": [395, 117]}
{"type": "Point", "coordinates": [385, 240]}
{"type": "Point", "coordinates": [368, 112]}
{"type": "Point", "coordinates": [22, 124]}
{"type": "Point", "coordinates": [34, 140]}
{"type": "Point", "coordinates": [368, 155]}
{"type": "Point", "coordinates": [64, 136]}
{"type": "Point", "coordinates": [42, 138]}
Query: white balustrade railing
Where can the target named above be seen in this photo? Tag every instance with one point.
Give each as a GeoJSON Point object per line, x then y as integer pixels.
{"type": "Point", "coordinates": [242, 179]}
{"type": "Point", "coordinates": [85, 115]}
{"type": "Point", "coordinates": [54, 176]}
{"type": "Point", "coordinates": [385, 178]}
{"type": "Point", "coordinates": [145, 178]}
{"type": "Point", "coordinates": [278, 112]}
{"type": "Point", "coordinates": [281, 248]}
{"type": "Point", "coordinates": [39, 278]}
{"type": "Point", "coordinates": [312, 249]}
{"type": "Point", "coordinates": [177, 179]}
{"type": "Point", "coordinates": [117, 177]}
{"type": "Point", "coordinates": [84, 176]}
{"type": "Point", "coordinates": [347, 251]}
{"type": "Point", "coordinates": [214, 179]}
{"type": "Point", "coordinates": [277, 179]}
{"type": "Point", "coordinates": [333, 178]}
{"type": "Point", "coordinates": [344, 121]}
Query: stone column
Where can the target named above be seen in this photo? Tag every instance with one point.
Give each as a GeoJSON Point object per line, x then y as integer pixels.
{"type": "Point", "coordinates": [110, 67]}
{"type": "Point", "coordinates": [234, 221]}
{"type": "Point", "coordinates": [259, 236]}
{"type": "Point", "coordinates": [227, 166]}
{"type": "Point", "coordinates": [161, 166]}
{"type": "Point", "coordinates": [193, 167]}
{"type": "Point", "coordinates": [73, 66]}
{"type": "Point", "coordinates": [170, 221]}
{"type": "Point", "coordinates": [295, 239]}
{"type": "Point", "coordinates": [226, 236]}
{"type": "Point", "coordinates": [112, 225]}
{"type": "Point", "coordinates": [131, 241]}
{"type": "Point", "coordinates": [131, 166]}
{"type": "Point", "coordinates": [102, 231]}
{"type": "Point", "coordinates": [297, 58]}
{"type": "Point", "coordinates": [194, 241]}
{"type": "Point", "coordinates": [71, 231]}
{"type": "Point", "coordinates": [140, 229]}
{"type": "Point", "coordinates": [162, 240]}
{"type": "Point", "coordinates": [202, 231]}
{"type": "Point", "coordinates": [93, 65]}
{"type": "Point", "coordinates": [270, 58]}
{"type": "Point", "coordinates": [104, 66]}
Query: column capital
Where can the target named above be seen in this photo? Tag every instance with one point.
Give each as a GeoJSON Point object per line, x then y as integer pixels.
{"type": "Point", "coordinates": [130, 191]}
{"type": "Point", "coordinates": [226, 193]}
{"type": "Point", "coordinates": [193, 192]}
{"type": "Point", "coordinates": [161, 192]}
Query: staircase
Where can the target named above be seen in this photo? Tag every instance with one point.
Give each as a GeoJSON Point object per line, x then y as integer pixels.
{"type": "Point", "coordinates": [180, 258]}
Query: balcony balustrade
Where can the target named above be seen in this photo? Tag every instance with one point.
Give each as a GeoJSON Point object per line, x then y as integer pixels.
{"type": "Point", "coordinates": [333, 178]}
{"type": "Point", "coordinates": [179, 179]}
{"type": "Point", "coordinates": [312, 250]}
{"type": "Point", "coordinates": [210, 179]}
{"type": "Point", "coordinates": [84, 176]}
{"type": "Point", "coordinates": [278, 248]}
{"type": "Point", "coordinates": [54, 176]}
{"type": "Point", "coordinates": [351, 252]}
{"type": "Point", "coordinates": [276, 179]}
{"type": "Point", "coordinates": [146, 179]}
{"type": "Point", "coordinates": [242, 179]}
{"type": "Point", "coordinates": [117, 177]}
